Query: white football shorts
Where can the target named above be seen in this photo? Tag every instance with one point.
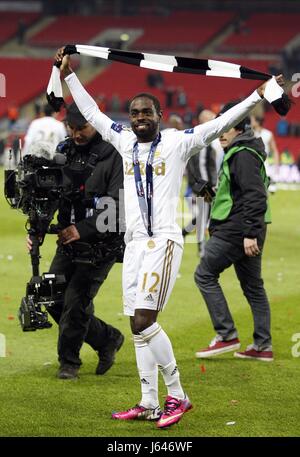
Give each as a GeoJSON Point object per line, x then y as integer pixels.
{"type": "Point", "coordinates": [150, 268]}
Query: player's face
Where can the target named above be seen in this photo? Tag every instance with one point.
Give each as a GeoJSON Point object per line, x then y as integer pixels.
{"type": "Point", "coordinates": [144, 119]}
{"type": "Point", "coordinates": [82, 135]}
{"type": "Point", "coordinates": [227, 137]}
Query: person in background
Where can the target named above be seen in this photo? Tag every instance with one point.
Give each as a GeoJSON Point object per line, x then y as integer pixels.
{"type": "Point", "coordinates": [201, 166]}
{"type": "Point", "coordinates": [46, 130]}
{"type": "Point", "coordinates": [174, 122]}
{"type": "Point", "coordinates": [238, 223]}
{"type": "Point", "coordinates": [273, 157]}
{"type": "Point", "coordinates": [12, 114]}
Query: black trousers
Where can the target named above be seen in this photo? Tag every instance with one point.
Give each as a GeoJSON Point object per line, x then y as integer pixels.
{"type": "Point", "coordinates": [75, 317]}
{"type": "Point", "coordinates": [219, 255]}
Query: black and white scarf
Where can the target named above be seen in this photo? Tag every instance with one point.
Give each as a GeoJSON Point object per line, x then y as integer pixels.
{"type": "Point", "coordinates": [274, 94]}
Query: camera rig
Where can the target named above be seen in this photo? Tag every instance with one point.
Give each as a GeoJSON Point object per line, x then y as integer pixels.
{"type": "Point", "coordinates": [35, 188]}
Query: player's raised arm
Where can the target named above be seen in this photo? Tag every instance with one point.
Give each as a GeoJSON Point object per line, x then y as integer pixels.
{"type": "Point", "coordinates": [86, 104]}
{"type": "Point", "coordinates": [214, 128]}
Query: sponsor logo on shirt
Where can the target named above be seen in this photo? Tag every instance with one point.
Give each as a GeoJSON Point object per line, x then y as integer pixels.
{"type": "Point", "coordinates": [189, 131]}
{"type": "Point", "coordinates": [158, 170]}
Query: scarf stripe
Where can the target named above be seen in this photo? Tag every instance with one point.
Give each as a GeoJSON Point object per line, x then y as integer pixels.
{"type": "Point", "coordinates": [175, 64]}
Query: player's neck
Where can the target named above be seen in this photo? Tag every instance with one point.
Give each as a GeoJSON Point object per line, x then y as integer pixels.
{"type": "Point", "coordinates": [149, 138]}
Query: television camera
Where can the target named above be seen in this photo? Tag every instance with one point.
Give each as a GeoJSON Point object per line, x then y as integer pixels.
{"type": "Point", "coordinates": [35, 187]}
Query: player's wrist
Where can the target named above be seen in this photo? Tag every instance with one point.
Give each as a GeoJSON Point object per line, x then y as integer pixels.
{"type": "Point", "coordinates": [66, 71]}
{"type": "Point", "coordinates": [261, 90]}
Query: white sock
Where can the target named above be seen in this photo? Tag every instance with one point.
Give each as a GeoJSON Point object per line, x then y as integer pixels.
{"type": "Point", "coordinates": [161, 348]}
{"type": "Point", "coordinates": [148, 372]}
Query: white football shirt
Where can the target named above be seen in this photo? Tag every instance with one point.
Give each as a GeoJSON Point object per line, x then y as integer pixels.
{"type": "Point", "coordinates": [171, 156]}
{"type": "Point", "coordinates": [266, 136]}
{"type": "Point", "coordinates": [44, 130]}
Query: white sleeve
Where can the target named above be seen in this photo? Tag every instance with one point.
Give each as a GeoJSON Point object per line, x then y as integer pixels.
{"type": "Point", "coordinates": [109, 130]}
{"type": "Point", "coordinates": [62, 133]}
{"type": "Point", "coordinates": [29, 137]}
{"type": "Point", "coordinates": [203, 134]}
{"type": "Point", "coordinates": [213, 129]}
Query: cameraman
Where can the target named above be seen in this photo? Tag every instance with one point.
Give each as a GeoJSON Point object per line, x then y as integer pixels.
{"type": "Point", "coordinates": [94, 170]}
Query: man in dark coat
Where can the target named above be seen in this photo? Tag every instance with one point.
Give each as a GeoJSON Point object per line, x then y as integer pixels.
{"type": "Point", "coordinates": [237, 233]}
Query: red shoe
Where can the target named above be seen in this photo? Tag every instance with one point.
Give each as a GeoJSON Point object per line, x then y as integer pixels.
{"type": "Point", "coordinates": [138, 412]}
{"type": "Point", "coordinates": [218, 346]}
{"type": "Point", "coordinates": [173, 411]}
{"type": "Point", "coordinates": [251, 353]}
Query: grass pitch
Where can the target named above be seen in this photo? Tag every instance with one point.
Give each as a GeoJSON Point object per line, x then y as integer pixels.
{"type": "Point", "coordinates": [260, 399]}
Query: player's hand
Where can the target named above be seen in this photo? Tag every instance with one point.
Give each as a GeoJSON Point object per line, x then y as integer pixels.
{"type": "Point", "coordinates": [280, 81]}
{"type": "Point", "coordinates": [29, 243]}
{"type": "Point", "coordinates": [207, 198]}
{"type": "Point", "coordinates": [64, 62]}
{"type": "Point", "coordinates": [68, 235]}
{"type": "Point", "coordinates": [250, 247]}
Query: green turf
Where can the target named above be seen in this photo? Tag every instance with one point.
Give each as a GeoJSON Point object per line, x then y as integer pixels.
{"type": "Point", "coordinates": [262, 399]}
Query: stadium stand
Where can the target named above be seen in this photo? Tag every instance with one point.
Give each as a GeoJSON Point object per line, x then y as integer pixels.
{"type": "Point", "coordinates": [221, 34]}
{"type": "Point", "coordinates": [9, 22]}
{"type": "Point", "coordinates": [69, 29]}
{"type": "Point", "coordinates": [178, 29]}
{"type": "Point", "coordinates": [262, 33]}
{"type": "Point", "coordinates": [183, 31]}
{"type": "Point", "coordinates": [25, 79]}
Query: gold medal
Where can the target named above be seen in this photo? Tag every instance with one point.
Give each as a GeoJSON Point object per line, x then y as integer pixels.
{"type": "Point", "coordinates": [151, 244]}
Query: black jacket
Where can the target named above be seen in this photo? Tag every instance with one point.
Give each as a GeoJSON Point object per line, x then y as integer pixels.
{"type": "Point", "coordinates": [209, 172]}
{"type": "Point", "coordinates": [93, 171]}
{"type": "Point", "coordinates": [246, 218]}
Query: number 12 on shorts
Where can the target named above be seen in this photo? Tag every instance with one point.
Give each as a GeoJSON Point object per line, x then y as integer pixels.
{"type": "Point", "coordinates": [152, 279]}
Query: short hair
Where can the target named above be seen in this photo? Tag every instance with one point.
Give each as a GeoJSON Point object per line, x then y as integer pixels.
{"type": "Point", "coordinates": [74, 116]}
{"type": "Point", "coordinates": [48, 110]}
{"type": "Point", "coordinates": [154, 99]}
{"type": "Point", "coordinates": [175, 118]}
